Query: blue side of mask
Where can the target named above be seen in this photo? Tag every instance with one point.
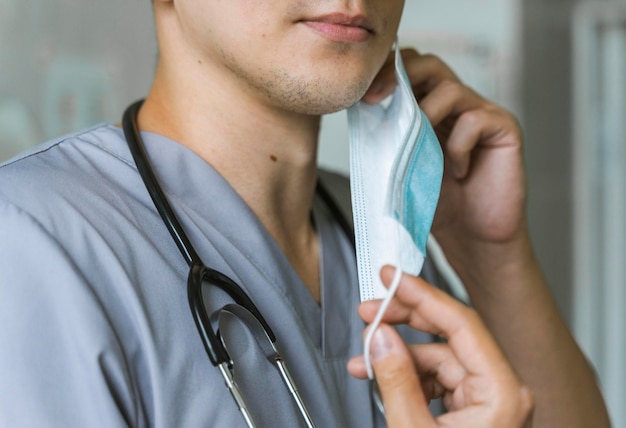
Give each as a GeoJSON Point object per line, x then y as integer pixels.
{"type": "Point", "coordinates": [421, 186]}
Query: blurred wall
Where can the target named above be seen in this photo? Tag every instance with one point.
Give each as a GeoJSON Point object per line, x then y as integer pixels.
{"type": "Point", "coordinates": [546, 109]}
{"type": "Point", "coordinates": [68, 64]}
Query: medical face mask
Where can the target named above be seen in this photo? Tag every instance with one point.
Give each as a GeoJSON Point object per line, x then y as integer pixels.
{"type": "Point", "coordinates": [396, 168]}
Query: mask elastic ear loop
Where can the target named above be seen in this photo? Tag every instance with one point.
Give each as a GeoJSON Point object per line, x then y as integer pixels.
{"type": "Point", "coordinates": [379, 316]}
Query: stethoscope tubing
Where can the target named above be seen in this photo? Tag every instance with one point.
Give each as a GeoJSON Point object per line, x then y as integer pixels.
{"type": "Point", "coordinates": [133, 137]}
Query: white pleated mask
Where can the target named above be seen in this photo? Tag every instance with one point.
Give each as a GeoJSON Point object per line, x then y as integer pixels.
{"type": "Point", "coordinates": [396, 168]}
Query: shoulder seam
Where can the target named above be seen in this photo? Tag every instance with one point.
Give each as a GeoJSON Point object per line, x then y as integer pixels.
{"type": "Point", "coordinates": [78, 135]}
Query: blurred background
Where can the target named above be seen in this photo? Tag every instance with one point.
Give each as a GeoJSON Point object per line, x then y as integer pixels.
{"type": "Point", "coordinates": [559, 65]}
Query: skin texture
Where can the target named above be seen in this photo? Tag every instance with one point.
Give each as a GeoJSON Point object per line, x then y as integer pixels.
{"type": "Point", "coordinates": [242, 83]}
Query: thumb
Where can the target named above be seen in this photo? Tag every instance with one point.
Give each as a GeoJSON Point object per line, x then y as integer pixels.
{"type": "Point", "coordinates": [398, 381]}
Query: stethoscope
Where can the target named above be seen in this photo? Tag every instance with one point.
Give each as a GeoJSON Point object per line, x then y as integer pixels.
{"type": "Point", "coordinates": [199, 274]}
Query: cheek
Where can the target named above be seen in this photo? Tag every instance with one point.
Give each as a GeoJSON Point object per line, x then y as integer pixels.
{"type": "Point", "coordinates": [391, 11]}
{"type": "Point", "coordinates": [252, 21]}
{"type": "Point", "coordinates": [215, 23]}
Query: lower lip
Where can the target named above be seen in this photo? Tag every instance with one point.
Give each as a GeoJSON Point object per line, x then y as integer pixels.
{"type": "Point", "coordinates": [340, 33]}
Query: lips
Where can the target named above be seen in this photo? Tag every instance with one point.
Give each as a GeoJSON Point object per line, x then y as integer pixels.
{"type": "Point", "coordinates": [342, 28]}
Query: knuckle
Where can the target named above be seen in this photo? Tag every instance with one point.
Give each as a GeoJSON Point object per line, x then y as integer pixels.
{"type": "Point", "coordinates": [453, 88]}
{"type": "Point", "coordinates": [520, 403]}
{"type": "Point", "coordinates": [437, 66]}
{"type": "Point", "coordinates": [409, 53]}
{"type": "Point", "coordinates": [469, 319]}
{"type": "Point", "coordinates": [468, 313]}
{"type": "Point", "coordinates": [433, 60]}
{"type": "Point", "coordinates": [508, 118]}
{"type": "Point", "coordinates": [393, 375]}
{"type": "Point", "coordinates": [471, 118]}
{"type": "Point", "coordinates": [509, 129]}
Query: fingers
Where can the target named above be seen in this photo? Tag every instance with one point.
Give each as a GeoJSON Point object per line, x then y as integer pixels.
{"type": "Point", "coordinates": [398, 381]}
{"type": "Point", "coordinates": [491, 400]}
{"type": "Point", "coordinates": [431, 310]}
{"type": "Point", "coordinates": [470, 372]}
{"type": "Point", "coordinates": [461, 117]}
{"type": "Point", "coordinates": [437, 367]}
{"type": "Point", "coordinates": [450, 98]}
{"type": "Point", "coordinates": [424, 71]}
{"type": "Point", "coordinates": [487, 125]}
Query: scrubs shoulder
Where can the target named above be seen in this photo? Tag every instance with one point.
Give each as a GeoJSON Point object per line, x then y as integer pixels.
{"type": "Point", "coordinates": [95, 326]}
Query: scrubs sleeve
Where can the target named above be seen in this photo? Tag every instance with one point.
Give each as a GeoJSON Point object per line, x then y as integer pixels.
{"type": "Point", "coordinates": [61, 364]}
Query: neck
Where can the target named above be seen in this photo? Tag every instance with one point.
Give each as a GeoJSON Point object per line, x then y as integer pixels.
{"type": "Point", "coordinates": [267, 155]}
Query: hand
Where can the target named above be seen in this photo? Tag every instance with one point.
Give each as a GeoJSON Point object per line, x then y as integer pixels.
{"type": "Point", "coordinates": [483, 193]}
{"type": "Point", "coordinates": [478, 386]}
{"type": "Point", "coordinates": [481, 226]}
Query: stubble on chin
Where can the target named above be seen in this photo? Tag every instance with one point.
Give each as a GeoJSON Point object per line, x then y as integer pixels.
{"type": "Point", "coordinates": [315, 97]}
{"type": "Point", "coordinates": [313, 94]}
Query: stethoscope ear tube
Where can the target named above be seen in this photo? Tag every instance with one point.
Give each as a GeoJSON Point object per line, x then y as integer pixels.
{"type": "Point", "coordinates": [133, 138]}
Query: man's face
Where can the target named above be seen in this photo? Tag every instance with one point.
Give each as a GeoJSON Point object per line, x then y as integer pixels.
{"type": "Point", "coordinates": [304, 56]}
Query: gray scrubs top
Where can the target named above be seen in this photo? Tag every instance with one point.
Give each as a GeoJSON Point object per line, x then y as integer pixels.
{"type": "Point", "coordinates": [95, 327]}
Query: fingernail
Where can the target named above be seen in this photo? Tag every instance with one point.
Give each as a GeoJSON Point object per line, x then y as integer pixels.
{"type": "Point", "coordinates": [381, 345]}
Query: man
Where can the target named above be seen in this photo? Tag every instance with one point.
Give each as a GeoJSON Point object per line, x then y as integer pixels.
{"type": "Point", "coordinates": [96, 329]}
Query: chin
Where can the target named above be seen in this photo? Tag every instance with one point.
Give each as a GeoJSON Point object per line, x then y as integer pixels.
{"type": "Point", "coordinates": [326, 99]}
{"type": "Point", "coordinates": [321, 108]}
